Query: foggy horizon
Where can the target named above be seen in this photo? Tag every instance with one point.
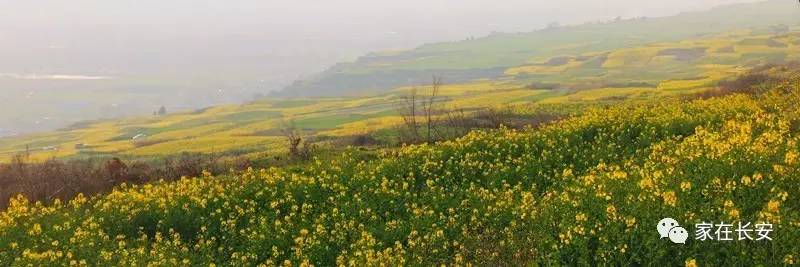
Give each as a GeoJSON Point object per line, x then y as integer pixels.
{"type": "Point", "coordinates": [363, 25]}
{"type": "Point", "coordinates": [172, 50]}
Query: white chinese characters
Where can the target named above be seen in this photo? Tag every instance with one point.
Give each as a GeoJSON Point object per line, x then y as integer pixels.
{"type": "Point", "coordinates": [723, 231]}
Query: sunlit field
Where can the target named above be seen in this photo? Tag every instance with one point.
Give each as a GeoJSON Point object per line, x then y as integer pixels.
{"type": "Point", "coordinates": [581, 191]}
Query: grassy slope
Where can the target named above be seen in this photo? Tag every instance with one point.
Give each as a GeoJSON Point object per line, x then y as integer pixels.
{"type": "Point", "coordinates": [461, 60]}
{"type": "Point", "coordinates": [583, 191]}
{"type": "Point", "coordinates": [642, 72]}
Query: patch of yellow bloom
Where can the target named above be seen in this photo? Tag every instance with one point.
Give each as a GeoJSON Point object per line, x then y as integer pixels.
{"type": "Point", "coordinates": [686, 186]}
{"type": "Point", "coordinates": [690, 262]}
{"type": "Point", "coordinates": [489, 198]}
{"type": "Point", "coordinates": [669, 198]}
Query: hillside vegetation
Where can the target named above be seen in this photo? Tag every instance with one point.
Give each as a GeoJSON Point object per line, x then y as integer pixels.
{"type": "Point", "coordinates": [582, 191]}
{"type": "Point", "coordinates": [489, 57]}
{"type": "Point", "coordinates": [645, 72]}
{"type": "Point", "coordinates": [564, 146]}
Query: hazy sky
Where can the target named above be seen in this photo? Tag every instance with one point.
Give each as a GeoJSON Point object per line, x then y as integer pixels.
{"type": "Point", "coordinates": [323, 31]}
{"type": "Point", "coordinates": [304, 17]}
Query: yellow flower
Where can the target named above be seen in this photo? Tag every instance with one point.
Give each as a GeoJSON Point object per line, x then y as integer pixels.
{"type": "Point", "coordinates": [791, 158]}
{"type": "Point", "coordinates": [35, 230]}
{"type": "Point", "coordinates": [690, 263]}
{"type": "Point", "coordinates": [630, 221]}
{"type": "Point", "coordinates": [746, 180]}
{"type": "Point", "coordinates": [779, 169]}
{"type": "Point", "coordinates": [611, 210]}
{"type": "Point", "coordinates": [670, 198]}
{"type": "Point", "coordinates": [734, 213]}
{"type": "Point", "coordinates": [728, 203]}
{"type": "Point", "coordinates": [789, 259]}
{"type": "Point", "coordinates": [758, 177]}
{"type": "Point", "coordinates": [580, 217]}
{"type": "Point", "coordinates": [773, 206]}
{"type": "Point", "coordinates": [686, 186]}
{"type": "Point", "coordinates": [646, 183]}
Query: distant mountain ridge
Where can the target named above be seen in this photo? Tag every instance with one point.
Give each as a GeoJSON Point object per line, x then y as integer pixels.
{"type": "Point", "coordinates": [487, 57]}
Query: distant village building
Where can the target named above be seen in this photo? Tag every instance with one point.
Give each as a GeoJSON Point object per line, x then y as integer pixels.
{"type": "Point", "coordinates": [139, 137]}
{"type": "Point", "coordinates": [81, 146]}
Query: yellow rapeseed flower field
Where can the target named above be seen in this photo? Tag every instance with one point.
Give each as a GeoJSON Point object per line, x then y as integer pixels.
{"type": "Point", "coordinates": [587, 190]}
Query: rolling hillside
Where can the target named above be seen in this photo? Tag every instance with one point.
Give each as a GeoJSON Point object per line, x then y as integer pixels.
{"type": "Point", "coordinates": [584, 191]}
{"type": "Point", "coordinates": [489, 57]}
{"type": "Point", "coordinates": [659, 70]}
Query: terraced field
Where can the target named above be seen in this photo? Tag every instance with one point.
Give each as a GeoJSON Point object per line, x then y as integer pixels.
{"type": "Point", "coordinates": [661, 70]}
{"type": "Point", "coordinates": [494, 55]}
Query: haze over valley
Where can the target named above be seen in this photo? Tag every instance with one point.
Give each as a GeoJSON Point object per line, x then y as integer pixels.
{"type": "Point", "coordinates": [69, 61]}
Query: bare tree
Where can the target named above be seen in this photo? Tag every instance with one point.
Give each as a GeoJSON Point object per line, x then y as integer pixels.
{"type": "Point", "coordinates": [410, 112]}
{"type": "Point", "coordinates": [292, 135]}
{"type": "Point", "coordinates": [298, 146]}
{"type": "Point", "coordinates": [429, 108]}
